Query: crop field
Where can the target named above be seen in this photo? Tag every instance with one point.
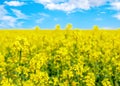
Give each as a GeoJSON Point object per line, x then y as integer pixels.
{"type": "Point", "coordinates": [59, 57]}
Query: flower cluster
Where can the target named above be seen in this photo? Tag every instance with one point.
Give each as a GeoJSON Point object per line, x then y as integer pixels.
{"type": "Point", "coordinates": [60, 58]}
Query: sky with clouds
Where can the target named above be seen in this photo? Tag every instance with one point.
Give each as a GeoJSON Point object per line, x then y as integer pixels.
{"type": "Point", "coordinates": [48, 13]}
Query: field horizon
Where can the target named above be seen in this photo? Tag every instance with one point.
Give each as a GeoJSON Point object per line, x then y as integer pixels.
{"type": "Point", "coordinates": [59, 57]}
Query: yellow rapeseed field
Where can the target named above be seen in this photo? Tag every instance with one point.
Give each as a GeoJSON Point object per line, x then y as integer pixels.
{"type": "Point", "coordinates": [60, 58]}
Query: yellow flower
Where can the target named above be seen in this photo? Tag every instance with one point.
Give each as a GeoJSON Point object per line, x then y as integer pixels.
{"type": "Point", "coordinates": [90, 79]}
{"type": "Point", "coordinates": [106, 82]}
{"type": "Point", "coordinates": [28, 83]}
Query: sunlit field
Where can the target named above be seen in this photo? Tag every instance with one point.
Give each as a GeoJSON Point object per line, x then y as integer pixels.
{"type": "Point", "coordinates": [60, 57]}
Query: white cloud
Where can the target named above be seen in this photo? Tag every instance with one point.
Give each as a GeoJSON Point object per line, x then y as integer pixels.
{"type": "Point", "coordinates": [14, 3]}
{"type": "Point", "coordinates": [3, 11]}
{"type": "Point", "coordinates": [19, 24]}
{"type": "Point", "coordinates": [38, 21]}
{"type": "Point", "coordinates": [97, 2]}
{"type": "Point", "coordinates": [44, 15]}
{"type": "Point", "coordinates": [65, 5]}
{"type": "Point", "coordinates": [70, 5]}
{"type": "Point", "coordinates": [116, 5]}
{"type": "Point", "coordinates": [107, 28]}
{"type": "Point", "coordinates": [117, 16]}
{"type": "Point", "coordinates": [19, 14]}
{"type": "Point", "coordinates": [40, 17]}
{"type": "Point", "coordinates": [7, 21]}
{"type": "Point", "coordinates": [50, 1]}
{"type": "Point", "coordinates": [43, 1]}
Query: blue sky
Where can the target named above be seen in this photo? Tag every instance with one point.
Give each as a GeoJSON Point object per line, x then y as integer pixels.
{"type": "Point", "coordinates": [48, 13]}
